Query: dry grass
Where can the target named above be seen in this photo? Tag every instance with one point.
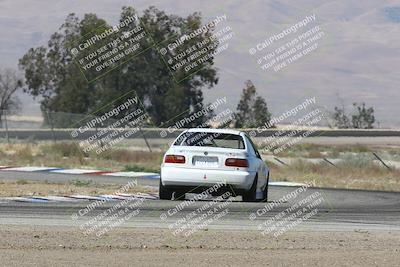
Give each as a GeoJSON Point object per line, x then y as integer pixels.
{"type": "Point", "coordinates": [356, 171]}
{"type": "Point", "coordinates": [353, 173]}
{"type": "Point", "coordinates": [320, 151]}
{"type": "Point", "coordinates": [29, 188]}
{"type": "Point", "coordinates": [69, 155]}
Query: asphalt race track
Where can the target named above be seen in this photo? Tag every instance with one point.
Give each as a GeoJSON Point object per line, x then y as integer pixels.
{"type": "Point", "coordinates": [340, 210]}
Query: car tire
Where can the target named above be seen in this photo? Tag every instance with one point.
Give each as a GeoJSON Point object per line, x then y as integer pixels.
{"type": "Point", "coordinates": [265, 197]}
{"type": "Point", "coordinates": [179, 195]}
{"type": "Point", "coordinates": [250, 196]}
{"type": "Point", "coordinates": [164, 192]}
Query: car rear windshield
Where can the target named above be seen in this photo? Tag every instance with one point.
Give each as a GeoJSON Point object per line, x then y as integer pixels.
{"type": "Point", "coordinates": [210, 140]}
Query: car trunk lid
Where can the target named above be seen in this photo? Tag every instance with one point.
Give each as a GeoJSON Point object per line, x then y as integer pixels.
{"type": "Point", "coordinates": [207, 157]}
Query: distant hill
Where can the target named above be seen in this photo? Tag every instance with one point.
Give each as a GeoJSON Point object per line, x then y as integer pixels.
{"type": "Point", "coordinates": [357, 60]}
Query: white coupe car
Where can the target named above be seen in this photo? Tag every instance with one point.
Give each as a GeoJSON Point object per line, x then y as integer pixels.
{"type": "Point", "coordinates": [201, 158]}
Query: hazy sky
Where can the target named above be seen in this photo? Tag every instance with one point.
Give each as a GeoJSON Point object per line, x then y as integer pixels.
{"type": "Point", "coordinates": [357, 58]}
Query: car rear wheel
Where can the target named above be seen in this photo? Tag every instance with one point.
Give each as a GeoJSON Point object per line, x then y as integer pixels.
{"type": "Point", "coordinates": [164, 192]}
{"type": "Point", "coordinates": [265, 192]}
{"type": "Point", "coordinates": [250, 196]}
{"type": "Point", "coordinates": [179, 195]}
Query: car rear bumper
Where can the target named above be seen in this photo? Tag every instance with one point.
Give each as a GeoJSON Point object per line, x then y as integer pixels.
{"type": "Point", "coordinates": [189, 177]}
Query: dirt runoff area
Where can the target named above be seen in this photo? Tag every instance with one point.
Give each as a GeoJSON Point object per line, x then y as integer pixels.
{"type": "Point", "coordinates": [67, 246]}
{"type": "Point", "coordinates": [37, 188]}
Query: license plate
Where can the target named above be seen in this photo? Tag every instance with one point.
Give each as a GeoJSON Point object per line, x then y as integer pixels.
{"type": "Point", "coordinates": [205, 161]}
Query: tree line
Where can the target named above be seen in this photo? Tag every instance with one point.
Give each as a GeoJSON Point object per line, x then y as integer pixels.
{"type": "Point", "coordinates": [49, 72]}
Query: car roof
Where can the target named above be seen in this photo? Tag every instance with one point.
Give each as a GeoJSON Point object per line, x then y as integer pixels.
{"type": "Point", "coordinates": [210, 130]}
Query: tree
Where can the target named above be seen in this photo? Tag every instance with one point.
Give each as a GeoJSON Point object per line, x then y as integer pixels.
{"type": "Point", "coordinates": [10, 82]}
{"type": "Point", "coordinates": [261, 113]}
{"type": "Point", "coordinates": [340, 118]}
{"type": "Point", "coordinates": [51, 73]}
{"type": "Point", "coordinates": [362, 118]}
{"type": "Point", "coordinates": [252, 110]}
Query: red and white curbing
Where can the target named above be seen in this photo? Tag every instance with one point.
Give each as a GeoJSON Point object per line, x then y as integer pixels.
{"type": "Point", "coordinates": [81, 171]}
{"type": "Point", "coordinates": [27, 169]}
{"type": "Point", "coordinates": [74, 198]}
{"type": "Point", "coordinates": [77, 198]}
{"type": "Point", "coordinates": [151, 175]}
{"type": "Point", "coordinates": [286, 184]}
{"type": "Point", "coordinates": [134, 174]}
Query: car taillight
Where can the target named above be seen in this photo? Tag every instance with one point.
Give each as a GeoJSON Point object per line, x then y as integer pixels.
{"type": "Point", "coordinates": [236, 162]}
{"type": "Point", "coordinates": [174, 159]}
